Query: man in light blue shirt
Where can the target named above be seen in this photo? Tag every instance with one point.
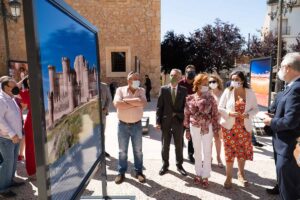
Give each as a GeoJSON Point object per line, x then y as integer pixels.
{"type": "Point", "coordinates": [10, 135]}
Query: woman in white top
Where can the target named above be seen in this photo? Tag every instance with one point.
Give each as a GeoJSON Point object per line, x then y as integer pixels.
{"type": "Point", "coordinates": [216, 88]}
{"type": "Point", "coordinates": [237, 106]}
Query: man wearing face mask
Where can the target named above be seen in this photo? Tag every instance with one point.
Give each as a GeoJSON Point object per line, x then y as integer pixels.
{"type": "Point", "coordinates": [10, 135]}
{"type": "Point", "coordinates": [129, 101]}
{"type": "Point", "coordinates": [187, 82]}
{"type": "Point", "coordinates": [169, 119]}
{"type": "Point", "coordinates": [286, 128]}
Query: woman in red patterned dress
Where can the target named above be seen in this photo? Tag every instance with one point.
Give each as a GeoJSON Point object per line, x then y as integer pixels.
{"type": "Point", "coordinates": [237, 106]}
{"type": "Point", "coordinates": [29, 150]}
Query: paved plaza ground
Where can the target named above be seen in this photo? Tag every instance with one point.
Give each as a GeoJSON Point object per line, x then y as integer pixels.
{"type": "Point", "coordinates": [260, 172]}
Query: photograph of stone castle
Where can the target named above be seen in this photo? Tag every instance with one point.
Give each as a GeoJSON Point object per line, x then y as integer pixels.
{"type": "Point", "coordinates": [72, 101]}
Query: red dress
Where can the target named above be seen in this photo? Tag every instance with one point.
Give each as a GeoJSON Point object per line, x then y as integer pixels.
{"type": "Point", "coordinates": [29, 141]}
{"type": "Point", "coordinates": [237, 141]}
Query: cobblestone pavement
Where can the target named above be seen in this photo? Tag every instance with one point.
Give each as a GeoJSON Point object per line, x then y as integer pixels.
{"type": "Point", "coordinates": [260, 172]}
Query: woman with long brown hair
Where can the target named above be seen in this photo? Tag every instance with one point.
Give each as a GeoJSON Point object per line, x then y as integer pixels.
{"type": "Point", "coordinates": [238, 105]}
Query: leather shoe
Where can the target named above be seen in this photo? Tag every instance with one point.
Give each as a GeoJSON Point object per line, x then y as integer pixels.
{"type": "Point", "coordinates": [274, 190]}
{"type": "Point", "coordinates": [120, 178]}
{"type": "Point", "coordinates": [181, 170]}
{"type": "Point", "coordinates": [107, 155]}
{"type": "Point", "coordinates": [7, 194]}
{"type": "Point", "coordinates": [192, 159]}
{"type": "Point", "coordinates": [163, 170]}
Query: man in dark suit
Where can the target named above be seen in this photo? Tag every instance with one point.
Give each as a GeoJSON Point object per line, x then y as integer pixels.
{"type": "Point", "coordinates": [286, 127]}
{"type": "Point", "coordinates": [169, 118]}
{"type": "Point", "coordinates": [268, 130]}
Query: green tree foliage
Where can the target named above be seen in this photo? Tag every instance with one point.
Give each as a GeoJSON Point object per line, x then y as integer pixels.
{"type": "Point", "coordinates": [214, 47]}
{"type": "Point", "coordinates": [174, 51]}
{"type": "Point", "coordinates": [264, 46]}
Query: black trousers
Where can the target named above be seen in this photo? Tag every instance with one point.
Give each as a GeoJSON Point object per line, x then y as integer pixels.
{"type": "Point", "coordinates": [190, 147]}
{"type": "Point", "coordinates": [148, 94]}
{"type": "Point", "coordinates": [178, 140]}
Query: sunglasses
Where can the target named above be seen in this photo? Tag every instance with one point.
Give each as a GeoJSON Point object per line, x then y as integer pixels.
{"type": "Point", "coordinates": [212, 81]}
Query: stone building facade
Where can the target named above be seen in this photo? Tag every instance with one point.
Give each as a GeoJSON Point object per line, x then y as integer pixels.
{"type": "Point", "coordinates": [127, 28]}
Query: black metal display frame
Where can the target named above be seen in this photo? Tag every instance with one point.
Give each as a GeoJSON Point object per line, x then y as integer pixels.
{"type": "Point", "coordinates": [37, 102]}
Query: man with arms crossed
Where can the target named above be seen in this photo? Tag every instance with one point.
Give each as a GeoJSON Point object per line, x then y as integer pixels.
{"type": "Point", "coordinates": [129, 101]}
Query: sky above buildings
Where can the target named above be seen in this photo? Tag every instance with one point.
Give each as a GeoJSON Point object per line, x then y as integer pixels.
{"type": "Point", "coordinates": [185, 16]}
{"type": "Point", "coordinates": [61, 36]}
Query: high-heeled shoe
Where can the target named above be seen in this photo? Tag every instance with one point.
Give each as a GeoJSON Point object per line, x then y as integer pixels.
{"type": "Point", "coordinates": [228, 183]}
{"type": "Point", "coordinates": [242, 179]}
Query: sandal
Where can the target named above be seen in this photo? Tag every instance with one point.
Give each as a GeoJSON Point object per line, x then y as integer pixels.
{"type": "Point", "coordinates": [228, 183]}
{"type": "Point", "coordinates": [242, 180]}
{"type": "Point", "coordinates": [197, 180]}
{"type": "Point", "coordinates": [220, 165]}
{"type": "Point", "coordinates": [205, 183]}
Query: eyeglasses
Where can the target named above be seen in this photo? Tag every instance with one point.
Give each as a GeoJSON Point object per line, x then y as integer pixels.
{"type": "Point", "coordinates": [212, 82]}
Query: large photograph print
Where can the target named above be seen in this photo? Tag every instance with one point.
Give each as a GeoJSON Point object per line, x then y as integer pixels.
{"type": "Point", "coordinates": [69, 60]}
{"type": "Point", "coordinates": [260, 80]}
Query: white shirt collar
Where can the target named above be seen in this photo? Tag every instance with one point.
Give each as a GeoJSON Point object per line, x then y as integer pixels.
{"type": "Point", "coordinates": [293, 81]}
{"type": "Point", "coordinates": [5, 95]}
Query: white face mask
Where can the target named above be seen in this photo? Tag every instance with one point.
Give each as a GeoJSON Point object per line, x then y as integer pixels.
{"type": "Point", "coordinates": [281, 74]}
{"type": "Point", "coordinates": [204, 89]}
{"type": "Point", "coordinates": [135, 84]}
{"type": "Point", "coordinates": [235, 84]}
{"type": "Point", "coordinates": [213, 85]}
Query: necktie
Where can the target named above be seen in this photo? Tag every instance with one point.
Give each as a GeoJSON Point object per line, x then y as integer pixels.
{"type": "Point", "coordinates": [173, 95]}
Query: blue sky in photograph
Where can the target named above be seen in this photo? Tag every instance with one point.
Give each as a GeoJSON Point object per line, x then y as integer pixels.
{"type": "Point", "coordinates": [61, 36]}
{"type": "Point", "coordinates": [260, 66]}
{"type": "Point", "coordinates": [185, 16]}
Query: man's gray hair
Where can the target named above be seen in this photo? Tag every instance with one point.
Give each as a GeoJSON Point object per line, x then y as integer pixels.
{"type": "Point", "coordinates": [132, 73]}
{"type": "Point", "coordinates": [177, 70]}
{"type": "Point", "coordinates": [4, 80]}
{"type": "Point", "coordinates": [292, 60]}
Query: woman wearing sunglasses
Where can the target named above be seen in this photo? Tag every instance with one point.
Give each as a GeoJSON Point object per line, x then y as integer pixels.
{"type": "Point", "coordinates": [238, 105]}
{"type": "Point", "coordinates": [216, 87]}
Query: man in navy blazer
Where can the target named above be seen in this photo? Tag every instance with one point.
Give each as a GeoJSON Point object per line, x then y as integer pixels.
{"type": "Point", "coordinates": [286, 127]}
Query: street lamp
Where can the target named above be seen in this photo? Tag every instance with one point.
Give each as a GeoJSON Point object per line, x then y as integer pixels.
{"type": "Point", "coordinates": [15, 9]}
{"type": "Point", "coordinates": [282, 8]}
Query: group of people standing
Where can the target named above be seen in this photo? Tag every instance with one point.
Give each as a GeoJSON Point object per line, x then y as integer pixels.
{"type": "Point", "coordinates": [198, 107]}
{"type": "Point", "coordinates": [191, 104]}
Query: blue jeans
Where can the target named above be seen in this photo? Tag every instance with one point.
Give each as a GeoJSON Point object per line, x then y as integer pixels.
{"type": "Point", "coordinates": [8, 162]}
{"type": "Point", "coordinates": [125, 132]}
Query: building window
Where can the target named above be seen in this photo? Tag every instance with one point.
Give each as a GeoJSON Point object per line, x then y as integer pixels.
{"type": "Point", "coordinates": [286, 30]}
{"type": "Point", "coordinates": [118, 61]}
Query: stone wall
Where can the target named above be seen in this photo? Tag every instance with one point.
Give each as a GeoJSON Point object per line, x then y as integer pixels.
{"type": "Point", "coordinates": [122, 24]}
{"type": "Point", "coordinates": [16, 42]}
{"type": "Point", "coordinates": [131, 24]}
